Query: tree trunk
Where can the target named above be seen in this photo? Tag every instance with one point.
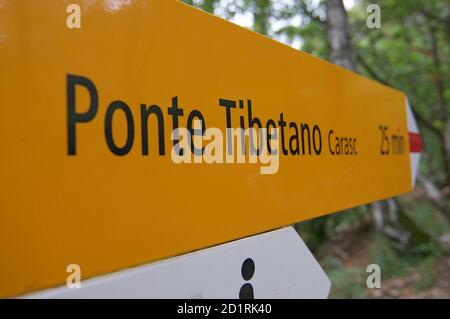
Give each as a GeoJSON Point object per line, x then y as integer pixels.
{"type": "Point", "coordinates": [339, 34]}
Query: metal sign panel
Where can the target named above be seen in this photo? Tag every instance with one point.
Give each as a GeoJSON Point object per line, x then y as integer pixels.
{"type": "Point", "coordinates": [272, 265]}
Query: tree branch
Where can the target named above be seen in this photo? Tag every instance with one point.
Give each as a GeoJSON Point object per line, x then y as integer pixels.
{"type": "Point", "coordinates": [370, 70]}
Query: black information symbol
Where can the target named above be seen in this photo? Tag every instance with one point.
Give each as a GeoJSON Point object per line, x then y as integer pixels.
{"type": "Point", "coordinates": [248, 269]}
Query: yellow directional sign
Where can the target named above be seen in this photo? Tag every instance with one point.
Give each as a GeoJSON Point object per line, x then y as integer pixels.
{"type": "Point", "coordinates": [93, 173]}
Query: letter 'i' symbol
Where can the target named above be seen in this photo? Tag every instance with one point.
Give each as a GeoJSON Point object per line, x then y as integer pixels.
{"type": "Point", "coordinates": [248, 269]}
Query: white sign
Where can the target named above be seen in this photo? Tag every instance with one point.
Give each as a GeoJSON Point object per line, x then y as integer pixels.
{"type": "Point", "coordinates": [276, 264]}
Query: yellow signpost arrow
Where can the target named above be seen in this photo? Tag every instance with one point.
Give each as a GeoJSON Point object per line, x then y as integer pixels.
{"type": "Point", "coordinates": [120, 139]}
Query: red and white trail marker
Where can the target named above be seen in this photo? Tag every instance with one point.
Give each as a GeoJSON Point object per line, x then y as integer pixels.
{"type": "Point", "coordinates": [415, 143]}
